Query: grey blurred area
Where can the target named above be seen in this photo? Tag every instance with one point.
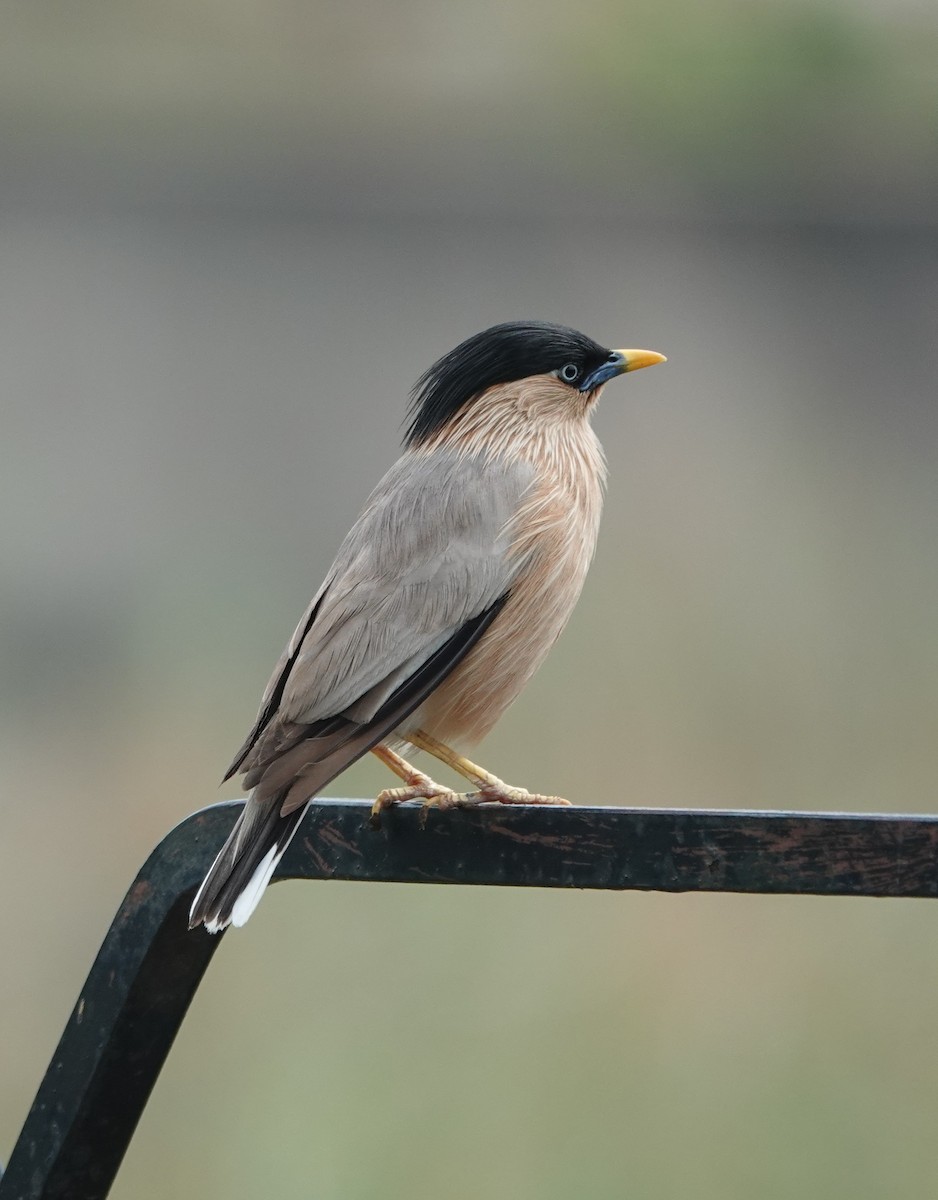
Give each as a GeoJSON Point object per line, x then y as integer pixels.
{"type": "Point", "coordinates": [231, 237]}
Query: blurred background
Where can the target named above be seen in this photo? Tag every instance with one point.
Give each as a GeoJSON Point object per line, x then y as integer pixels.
{"type": "Point", "coordinates": [232, 234]}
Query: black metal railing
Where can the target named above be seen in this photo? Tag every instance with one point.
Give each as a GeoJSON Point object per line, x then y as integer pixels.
{"type": "Point", "coordinates": [150, 965]}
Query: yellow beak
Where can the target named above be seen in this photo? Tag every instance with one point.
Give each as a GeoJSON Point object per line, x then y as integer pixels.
{"type": "Point", "coordinates": [635, 359]}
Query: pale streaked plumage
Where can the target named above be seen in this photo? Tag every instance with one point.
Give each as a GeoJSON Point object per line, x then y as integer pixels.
{"type": "Point", "coordinates": [445, 596]}
{"type": "Point", "coordinates": [554, 533]}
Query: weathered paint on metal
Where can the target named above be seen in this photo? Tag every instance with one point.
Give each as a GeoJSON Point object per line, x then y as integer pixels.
{"type": "Point", "coordinates": [150, 965]}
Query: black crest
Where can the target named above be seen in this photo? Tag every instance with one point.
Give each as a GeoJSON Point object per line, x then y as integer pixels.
{"type": "Point", "coordinates": [501, 354]}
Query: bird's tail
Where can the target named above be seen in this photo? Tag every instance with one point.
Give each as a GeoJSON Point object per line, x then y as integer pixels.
{"type": "Point", "coordinates": [237, 878]}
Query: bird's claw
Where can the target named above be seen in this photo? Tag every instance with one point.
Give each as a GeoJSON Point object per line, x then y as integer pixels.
{"type": "Point", "coordinates": [444, 799]}
{"type": "Point", "coordinates": [431, 793]}
{"type": "Point", "coordinates": [503, 793]}
{"type": "Point", "coordinates": [488, 793]}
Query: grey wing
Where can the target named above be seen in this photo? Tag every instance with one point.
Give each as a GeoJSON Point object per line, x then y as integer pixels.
{"type": "Point", "coordinates": [430, 554]}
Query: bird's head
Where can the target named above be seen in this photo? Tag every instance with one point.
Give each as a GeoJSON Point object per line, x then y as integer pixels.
{"type": "Point", "coordinates": [569, 368]}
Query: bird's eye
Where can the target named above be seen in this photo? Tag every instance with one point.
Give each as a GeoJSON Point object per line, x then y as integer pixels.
{"type": "Point", "coordinates": [570, 373]}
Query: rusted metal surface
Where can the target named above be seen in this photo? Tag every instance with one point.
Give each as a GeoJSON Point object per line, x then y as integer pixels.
{"type": "Point", "coordinates": [150, 965]}
{"type": "Point", "coordinates": [671, 850]}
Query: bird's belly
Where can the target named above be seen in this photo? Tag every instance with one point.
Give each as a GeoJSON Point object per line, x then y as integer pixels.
{"type": "Point", "coordinates": [468, 703]}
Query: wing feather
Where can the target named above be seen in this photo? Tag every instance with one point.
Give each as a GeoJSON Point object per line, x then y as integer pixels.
{"type": "Point", "coordinates": [431, 552]}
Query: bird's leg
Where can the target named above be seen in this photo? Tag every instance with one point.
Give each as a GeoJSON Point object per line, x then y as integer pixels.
{"type": "Point", "coordinates": [491, 789]}
{"type": "Point", "coordinates": [417, 786]}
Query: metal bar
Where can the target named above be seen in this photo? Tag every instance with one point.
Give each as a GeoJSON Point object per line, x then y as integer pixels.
{"type": "Point", "coordinates": [122, 1026]}
{"type": "Point", "coordinates": [669, 850]}
{"type": "Point", "coordinates": [150, 965]}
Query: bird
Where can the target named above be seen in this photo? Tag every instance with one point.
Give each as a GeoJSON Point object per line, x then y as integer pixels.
{"type": "Point", "coordinates": [444, 598]}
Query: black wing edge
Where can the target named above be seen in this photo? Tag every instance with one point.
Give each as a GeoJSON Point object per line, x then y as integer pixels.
{"type": "Point", "coordinates": [415, 689]}
{"type": "Point", "coordinates": [273, 824]}
{"type": "Point", "coordinates": [350, 743]}
{"type": "Point", "coordinates": [266, 714]}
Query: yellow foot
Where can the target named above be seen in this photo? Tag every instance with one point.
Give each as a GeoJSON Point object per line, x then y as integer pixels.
{"type": "Point", "coordinates": [488, 793]}
{"type": "Point", "coordinates": [503, 793]}
{"type": "Point", "coordinates": [421, 787]}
